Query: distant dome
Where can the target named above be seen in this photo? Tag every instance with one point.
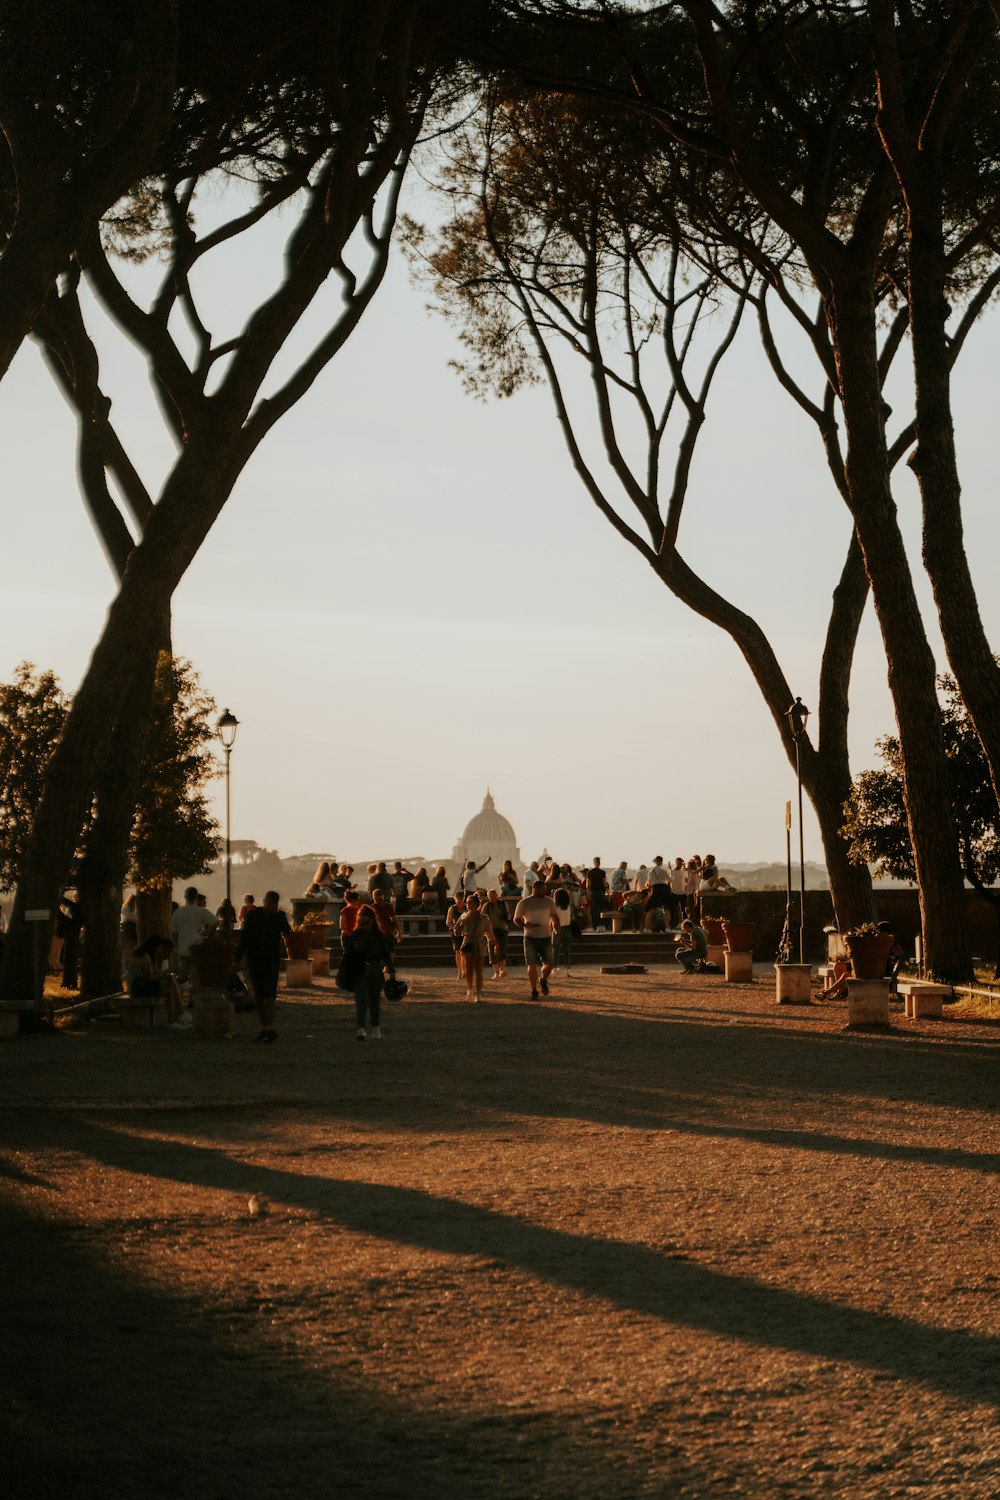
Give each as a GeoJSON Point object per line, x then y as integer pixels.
{"type": "Point", "coordinates": [488, 836]}
{"type": "Point", "coordinates": [489, 826]}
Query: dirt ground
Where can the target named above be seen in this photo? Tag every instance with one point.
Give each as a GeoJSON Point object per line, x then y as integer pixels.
{"type": "Point", "coordinates": [651, 1237]}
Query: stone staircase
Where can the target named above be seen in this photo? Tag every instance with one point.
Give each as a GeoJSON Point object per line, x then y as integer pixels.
{"type": "Point", "coordinates": [593, 948]}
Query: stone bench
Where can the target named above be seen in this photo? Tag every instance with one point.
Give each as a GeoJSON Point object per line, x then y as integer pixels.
{"type": "Point", "coordinates": [141, 1011]}
{"type": "Point", "coordinates": [922, 999]}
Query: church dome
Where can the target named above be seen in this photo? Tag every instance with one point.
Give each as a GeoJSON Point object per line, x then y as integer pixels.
{"type": "Point", "coordinates": [488, 836]}
{"type": "Point", "coordinates": [488, 826]}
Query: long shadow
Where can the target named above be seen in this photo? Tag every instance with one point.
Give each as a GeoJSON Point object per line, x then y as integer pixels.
{"type": "Point", "coordinates": [112, 1387]}
{"type": "Point", "coordinates": [953, 1361]}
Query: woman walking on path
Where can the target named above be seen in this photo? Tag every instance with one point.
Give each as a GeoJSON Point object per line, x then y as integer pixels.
{"type": "Point", "coordinates": [497, 915]}
{"type": "Point", "coordinates": [564, 937]}
{"type": "Point", "coordinates": [368, 943]}
{"type": "Point", "coordinates": [456, 910]}
{"type": "Point", "coordinates": [474, 931]}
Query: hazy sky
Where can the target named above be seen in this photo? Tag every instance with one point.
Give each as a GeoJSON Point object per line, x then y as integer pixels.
{"type": "Point", "coordinates": [409, 597]}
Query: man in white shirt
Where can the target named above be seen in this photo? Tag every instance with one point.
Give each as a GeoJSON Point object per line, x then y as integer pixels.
{"type": "Point", "coordinates": [538, 919]}
{"type": "Point", "coordinates": [530, 876]}
{"type": "Point", "coordinates": [186, 926]}
{"type": "Point", "coordinates": [469, 878]}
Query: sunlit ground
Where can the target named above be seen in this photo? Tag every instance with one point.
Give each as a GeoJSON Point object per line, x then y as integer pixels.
{"type": "Point", "coordinates": [646, 1239]}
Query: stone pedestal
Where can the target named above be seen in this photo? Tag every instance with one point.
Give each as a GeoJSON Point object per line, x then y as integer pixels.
{"type": "Point", "coordinates": [867, 1002]}
{"type": "Point", "coordinates": [615, 918]}
{"type": "Point", "coordinates": [739, 966]}
{"type": "Point", "coordinates": [298, 973]}
{"type": "Point", "coordinates": [716, 955]}
{"type": "Point", "coordinates": [792, 984]}
{"type": "Point", "coordinates": [212, 1013]}
{"type": "Point", "coordinates": [320, 960]}
{"type": "Point", "coordinates": [10, 1020]}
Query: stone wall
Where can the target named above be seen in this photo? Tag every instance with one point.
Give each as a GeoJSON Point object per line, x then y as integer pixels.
{"type": "Point", "coordinates": [767, 910]}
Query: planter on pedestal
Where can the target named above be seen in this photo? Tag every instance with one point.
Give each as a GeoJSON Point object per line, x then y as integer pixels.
{"type": "Point", "coordinates": [869, 953]}
{"type": "Point", "coordinates": [714, 931]}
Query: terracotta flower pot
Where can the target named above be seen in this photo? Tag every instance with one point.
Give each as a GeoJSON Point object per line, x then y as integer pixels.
{"type": "Point", "coordinates": [714, 930]}
{"type": "Point", "coordinates": [739, 935]}
{"type": "Point", "coordinates": [319, 934]}
{"type": "Point", "coordinates": [213, 961]}
{"type": "Point", "coordinates": [300, 942]}
{"type": "Point", "coordinates": [869, 953]}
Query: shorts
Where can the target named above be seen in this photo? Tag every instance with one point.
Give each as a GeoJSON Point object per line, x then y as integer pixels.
{"type": "Point", "coordinates": [537, 950]}
{"type": "Point", "coordinates": [264, 979]}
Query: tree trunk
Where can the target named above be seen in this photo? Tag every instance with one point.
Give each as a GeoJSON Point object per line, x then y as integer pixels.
{"type": "Point", "coordinates": [935, 464]}
{"type": "Point", "coordinates": [850, 884]}
{"type": "Point", "coordinates": [912, 678]}
{"type": "Point", "coordinates": [153, 912]}
{"type": "Point", "coordinates": [115, 677]}
{"type": "Point", "coordinates": [101, 876]}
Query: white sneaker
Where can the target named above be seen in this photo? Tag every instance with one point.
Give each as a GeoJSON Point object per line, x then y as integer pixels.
{"type": "Point", "coordinates": [362, 1034]}
{"type": "Point", "coordinates": [376, 1033]}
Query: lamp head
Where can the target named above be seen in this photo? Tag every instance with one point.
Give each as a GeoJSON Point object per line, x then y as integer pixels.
{"type": "Point", "coordinates": [798, 717]}
{"type": "Point", "coordinates": [226, 729]}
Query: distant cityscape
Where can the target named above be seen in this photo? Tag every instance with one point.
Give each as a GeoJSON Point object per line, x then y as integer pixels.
{"type": "Point", "coordinates": [488, 836]}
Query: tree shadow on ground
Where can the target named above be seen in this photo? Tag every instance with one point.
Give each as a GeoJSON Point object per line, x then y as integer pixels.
{"type": "Point", "coordinates": [110, 1386]}
{"type": "Point", "coordinates": [953, 1361]}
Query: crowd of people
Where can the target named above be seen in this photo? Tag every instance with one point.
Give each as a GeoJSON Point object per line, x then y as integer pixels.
{"type": "Point", "coordinates": [675, 890]}
{"type": "Point", "coordinates": [549, 904]}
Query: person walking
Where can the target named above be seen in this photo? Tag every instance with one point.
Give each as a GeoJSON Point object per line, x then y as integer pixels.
{"type": "Point", "coordinates": [261, 943]}
{"type": "Point", "coordinates": [368, 943]}
{"type": "Point", "coordinates": [564, 938]}
{"type": "Point", "coordinates": [455, 911]}
{"type": "Point", "coordinates": [497, 914]}
{"type": "Point", "coordinates": [474, 929]}
{"type": "Point", "coordinates": [387, 923]}
{"type": "Point", "coordinates": [538, 918]}
{"type": "Point", "coordinates": [349, 913]}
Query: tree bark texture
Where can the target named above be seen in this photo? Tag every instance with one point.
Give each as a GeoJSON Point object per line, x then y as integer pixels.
{"type": "Point", "coordinates": [101, 875]}
{"type": "Point", "coordinates": [911, 666]}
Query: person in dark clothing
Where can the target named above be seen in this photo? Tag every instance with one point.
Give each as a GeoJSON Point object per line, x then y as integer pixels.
{"type": "Point", "coordinates": [69, 924]}
{"type": "Point", "coordinates": [262, 941]}
{"type": "Point", "coordinates": [597, 889]}
{"type": "Point", "coordinates": [370, 943]}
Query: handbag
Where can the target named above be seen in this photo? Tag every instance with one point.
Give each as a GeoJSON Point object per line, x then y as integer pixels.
{"type": "Point", "coordinates": [352, 966]}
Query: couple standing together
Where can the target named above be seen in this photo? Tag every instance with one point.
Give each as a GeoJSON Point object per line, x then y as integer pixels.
{"type": "Point", "coordinates": [538, 919]}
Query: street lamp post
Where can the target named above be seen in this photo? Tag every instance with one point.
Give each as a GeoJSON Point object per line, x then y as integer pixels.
{"type": "Point", "coordinates": [226, 730]}
{"type": "Point", "coordinates": [797, 717]}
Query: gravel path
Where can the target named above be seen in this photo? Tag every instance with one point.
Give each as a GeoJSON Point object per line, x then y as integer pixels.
{"type": "Point", "coordinates": [652, 1237]}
